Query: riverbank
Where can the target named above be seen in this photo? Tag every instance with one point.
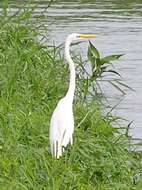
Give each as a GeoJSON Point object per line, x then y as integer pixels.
{"type": "Point", "coordinates": [31, 83]}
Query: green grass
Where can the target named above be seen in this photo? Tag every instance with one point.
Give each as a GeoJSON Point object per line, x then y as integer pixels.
{"type": "Point", "coordinates": [32, 80]}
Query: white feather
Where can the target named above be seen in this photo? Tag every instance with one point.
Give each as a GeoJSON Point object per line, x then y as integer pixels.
{"type": "Point", "coordinates": [62, 127]}
{"type": "Point", "coordinates": [62, 120]}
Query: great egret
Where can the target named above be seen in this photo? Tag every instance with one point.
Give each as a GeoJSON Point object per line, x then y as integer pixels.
{"type": "Point", "coordinates": [62, 120]}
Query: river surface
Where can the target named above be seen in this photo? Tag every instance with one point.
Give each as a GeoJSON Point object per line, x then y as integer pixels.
{"type": "Point", "coordinates": [118, 25]}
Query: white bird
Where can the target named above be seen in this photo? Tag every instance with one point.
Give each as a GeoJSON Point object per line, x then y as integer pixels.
{"type": "Point", "coordinates": [62, 120]}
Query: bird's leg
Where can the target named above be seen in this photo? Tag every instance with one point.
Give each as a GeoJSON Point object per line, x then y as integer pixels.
{"type": "Point", "coordinates": [63, 148]}
{"type": "Point", "coordinates": [56, 150]}
{"type": "Point", "coordinates": [71, 141]}
{"type": "Point", "coordinates": [53, 150]}
{"type": "Point", "coordinates": [63, 135]}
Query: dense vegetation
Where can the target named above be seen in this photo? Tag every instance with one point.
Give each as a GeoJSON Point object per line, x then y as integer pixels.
{"type": "Point", "coordinates": [33, 78]}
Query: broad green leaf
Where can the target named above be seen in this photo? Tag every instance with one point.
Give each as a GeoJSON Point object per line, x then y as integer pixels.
{"type": "Point", "coordinates": [93, 51]}
{"type": "Point", "coordinates": [91, 58]}
{"type": "Point", "coordinates": [110, 58]}
{"type": "Point", "coordinates": [98, 61]}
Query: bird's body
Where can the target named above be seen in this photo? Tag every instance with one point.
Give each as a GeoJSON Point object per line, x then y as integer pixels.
{"type": "Point", "coordinates": [62, 120]}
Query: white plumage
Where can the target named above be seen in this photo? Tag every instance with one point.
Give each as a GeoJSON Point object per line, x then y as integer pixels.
{"type": "Point", "coordinates": [62, 120]}
{"type": "Point", "coordinates": [62, 127]}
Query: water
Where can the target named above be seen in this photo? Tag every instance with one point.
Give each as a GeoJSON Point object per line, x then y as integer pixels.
{"type": "Point", "coordinates": [119, 30]}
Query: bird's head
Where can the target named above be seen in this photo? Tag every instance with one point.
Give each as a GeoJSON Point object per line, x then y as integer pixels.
{"type": "Point", "coordinates": [76, 36]}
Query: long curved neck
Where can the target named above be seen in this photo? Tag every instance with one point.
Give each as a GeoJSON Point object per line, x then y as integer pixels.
{"type": "Point", "coordinates": [71, 90]}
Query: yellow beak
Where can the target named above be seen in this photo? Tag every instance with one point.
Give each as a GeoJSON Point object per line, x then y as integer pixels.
{"type": "Point", "coordinates": [87, 36]}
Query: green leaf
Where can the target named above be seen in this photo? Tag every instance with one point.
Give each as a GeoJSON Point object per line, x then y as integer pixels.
{"type": "Point", "coordinates": [98, 61]}
{"type": "Point", "coordinates": [93, 51]}
{"type": "Point", "coordinates": [116, 86]}
{"type": "Point", "coordinates": [91, 58]}
{"type": "Point", "coordinates": [125, 85]}
{"type": "Point", "coordinates": [110, 58]}
{"type": "Point", "coordinates": [103, 68]}
{"type": "Point", "coordinates": [112, 71]}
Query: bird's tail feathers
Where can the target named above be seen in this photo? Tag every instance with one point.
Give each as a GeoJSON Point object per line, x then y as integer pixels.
{"type": "Point", "coordinates": [57, 149]}
{"type": "Point", "coordinates": [58, 146]}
